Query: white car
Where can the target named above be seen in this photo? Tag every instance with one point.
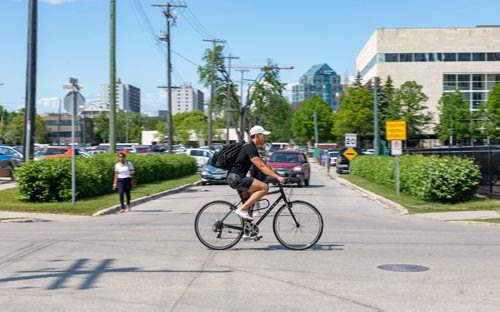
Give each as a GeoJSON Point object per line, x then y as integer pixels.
{"type": "Point", "coordinates": [200, 154]}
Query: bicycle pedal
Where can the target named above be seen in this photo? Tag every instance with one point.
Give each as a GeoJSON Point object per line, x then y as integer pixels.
{"type": "Point", "coordinates": [257, 238]}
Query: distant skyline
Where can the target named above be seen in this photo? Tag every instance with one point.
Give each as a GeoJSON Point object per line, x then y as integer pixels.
{"type": "Point", "coordinates": [73, 39]}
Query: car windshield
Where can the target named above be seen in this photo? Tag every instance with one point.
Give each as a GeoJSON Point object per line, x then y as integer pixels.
{"type": "Point", "coordinates": [285, 157]}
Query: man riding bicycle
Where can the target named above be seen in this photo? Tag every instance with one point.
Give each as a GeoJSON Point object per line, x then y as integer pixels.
{"type": "Point", "coordinates": [249, 188]}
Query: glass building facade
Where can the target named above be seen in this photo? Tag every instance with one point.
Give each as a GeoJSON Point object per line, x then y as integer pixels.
{"type": "Point", "coordinates": [320, 80]}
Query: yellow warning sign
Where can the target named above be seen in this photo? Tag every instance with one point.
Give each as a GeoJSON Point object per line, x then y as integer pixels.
{"type": "Point", "coordinates": [395, 130]}
{"type": "Point", "coordinates": [350, 153]}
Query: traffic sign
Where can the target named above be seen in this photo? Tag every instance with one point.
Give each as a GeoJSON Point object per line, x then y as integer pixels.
{"type": "Point", "coordinates": [351, 139]}
{"type": "Point", "coordinates": [396, 147]}
{"type": "Point", "coordinates": [70, 100]}
{"type": "Point", "coordinates": [395, 130]}
{"type": "Point", "coordinates": [350, 153]}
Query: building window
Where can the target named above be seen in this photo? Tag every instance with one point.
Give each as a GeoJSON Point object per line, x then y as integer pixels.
{"type": "Point", "coordinates": [478, 57]}
{"type": "Point", "coordinates": [493, 57]}
{"type": "Point", "coordinates": [405, 57]}
{"type": "Point", "coordinates": [391, 57]}
{"type": "Point", "coordinates": [464, 57]}
{"type": "Point", "coordinates": [450, 57]}
{"type": "Point", "coordinates": [420, 57]}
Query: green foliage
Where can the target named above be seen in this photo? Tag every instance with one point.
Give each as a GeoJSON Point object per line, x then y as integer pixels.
{"type": "Point", "coordinates": [407, 103]}
{"type": "Point", "coordinates": [385, 93]}
{"type": "Point", "coordinates": [303, 121]}
{"type": "Point", "coordinates": [492, 113]}
{"type": "Point", "coordinates": [50, 180]}
{"type": "Point", "coordinates": [442, 179]}
{"type": "Point", "coordinates": [187, 122]}
{"type": "Point", "coordinates": [454, 117]}
{"type": "Point", "coordinates": [355, 114]}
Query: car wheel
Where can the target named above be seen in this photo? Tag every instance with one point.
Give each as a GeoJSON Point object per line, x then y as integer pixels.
{"type": "Point", "coordinates": [203, 183]}
{"type": "Point", "coordinates": [301, 182]}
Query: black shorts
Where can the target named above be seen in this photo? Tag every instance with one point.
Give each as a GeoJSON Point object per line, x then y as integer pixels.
{"type": "Point", "coordinates": [239, 183]}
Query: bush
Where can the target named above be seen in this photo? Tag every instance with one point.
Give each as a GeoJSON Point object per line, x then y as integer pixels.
{"type": "Point", "coordinates": [442, 179]}
{"type": "Point", "coordinates": [50, 180]}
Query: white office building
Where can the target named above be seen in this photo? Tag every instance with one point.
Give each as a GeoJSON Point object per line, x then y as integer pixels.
{"type": "Point", "coordinates": [128, 97]}
{"type": "Point", "coordinates": [439, 59]}
{"type": "Point", "coordinates": [186, 99]}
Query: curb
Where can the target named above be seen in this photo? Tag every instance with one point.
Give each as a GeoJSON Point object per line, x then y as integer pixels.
{"type": "Point", "coordinates": [141, 200]}
{"type": "Point", "coordinates": [384, 201]}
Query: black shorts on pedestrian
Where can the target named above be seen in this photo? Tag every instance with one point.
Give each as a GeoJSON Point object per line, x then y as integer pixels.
{"type": "Point", "coordinates": [238, 182]}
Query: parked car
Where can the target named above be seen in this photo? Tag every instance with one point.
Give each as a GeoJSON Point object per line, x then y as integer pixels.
{"type": "Point", "coordinates": [201, 155]}
{"type": "Point", "coordinates": [11, 151]}
{"type": "Point", "coordinates": [333, 158]}
{"type": "Point", "coordinates": [48, 152]}
{"type": "Point", "coordinates": [343, 162]}
{"type": "Point", "coordinates": [212, 175]}
{"type": "Point", "coordinates": [291, 164]}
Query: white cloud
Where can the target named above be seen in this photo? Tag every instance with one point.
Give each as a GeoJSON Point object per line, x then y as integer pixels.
{"type": "Point", "coordinates": [49, 105]}
{"type": "Point", "coordinates": [57, 1]}
{"type": "Point", "coordinates": [153, 101]}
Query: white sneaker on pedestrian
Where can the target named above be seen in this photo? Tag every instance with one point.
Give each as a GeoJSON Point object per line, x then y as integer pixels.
{"type": "Point", "coordinates": [244, 215]}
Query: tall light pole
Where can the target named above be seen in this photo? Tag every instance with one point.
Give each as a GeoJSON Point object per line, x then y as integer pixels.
{"type": "Point", "coordinates": [168, 16]}
{"type": "Point", "coordinates": [30, 105]}
{"type": "Point", "coordinates": [212, 87]}
{"type": "Point", "coordinates": [228, 94]}
{"type": "Point", "coordinates": [112, 79]}
{"type": "Point", "coordinates": [315, 116]}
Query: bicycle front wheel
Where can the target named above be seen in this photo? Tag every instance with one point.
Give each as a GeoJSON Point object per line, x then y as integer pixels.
{"type": "Point", "coordinates": [217, 226]}
{"type": "Point", "coordinates": [299, 226]}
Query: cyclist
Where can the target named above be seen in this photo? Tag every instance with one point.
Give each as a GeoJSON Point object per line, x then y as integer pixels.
{"type": "Point", "coordinates": [250, 188]}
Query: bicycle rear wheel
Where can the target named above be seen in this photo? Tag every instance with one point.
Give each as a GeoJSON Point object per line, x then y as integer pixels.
{"type": "Point", "coordinates": [217, 226]}
{"type": "Point", "coordinates": [298, 227]}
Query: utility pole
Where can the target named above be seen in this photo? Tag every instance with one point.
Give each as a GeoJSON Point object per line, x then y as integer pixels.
{"type": "Point", "coordinates": [112, 79]}
{"type": "Point", "coordinates": [212, 88]}
{"type": "Point", "coordinates": [240, 137]}
{"type": "Point", "coordinates": [168, 16]}
{"type": "Point", "coordinates": [376, 138]}
{"type": "Point", "coordinates": [228, 94]}
{"type": "Point", "coordinates": [30, 105]}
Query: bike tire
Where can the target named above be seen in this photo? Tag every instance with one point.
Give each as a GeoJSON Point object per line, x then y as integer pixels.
{"type": "Point", "coordinates": [299, 237]}
{"type": "Point", "coordinates": [214, 233]}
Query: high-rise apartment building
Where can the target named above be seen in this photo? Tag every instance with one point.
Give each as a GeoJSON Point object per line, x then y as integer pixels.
{"type": "Point", "coordinates": [439, 59]}
{"type": "Point", "coordinates": [320, 80]}
{"type": "Point", "coordinates": [128, 97]}
{"type": "Point", "coordinates": [186, 99]}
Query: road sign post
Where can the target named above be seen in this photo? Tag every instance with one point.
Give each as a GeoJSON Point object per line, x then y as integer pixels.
{"type": "Point", "coordinates": [73, 104]}
{"type": "Point", "coordinates": [351, 140]}
{"type": "Point", "coordinates": [396, 132]}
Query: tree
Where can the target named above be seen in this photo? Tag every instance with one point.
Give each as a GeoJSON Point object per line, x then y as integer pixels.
{"type": "Point", "coordinates": [355, 114]}
{"type": "Point", "coordinates": [386, 91]}
{"type": "Point", "coordinates": [454, 117]}
{"type": "Point", "coordinates": [358, 81]}
{"type": "Point", "coordinates": [407, 103]}
{"type": "Point", "coordinates": [212, 72]}
{"type": "Point", "coordinates": [187, 123]}
{"type": "Point", "coordinates": [276, 116]}
{"type": "Point", "coordinates": [492, 113]}
{"type": "Point", "coordinates": [42, 133]}
{"type": "Point", "coordinates": [303, 122]}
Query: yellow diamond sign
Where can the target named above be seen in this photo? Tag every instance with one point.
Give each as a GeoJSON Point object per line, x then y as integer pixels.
{"type": "Point", "coordinates": [350, 153]}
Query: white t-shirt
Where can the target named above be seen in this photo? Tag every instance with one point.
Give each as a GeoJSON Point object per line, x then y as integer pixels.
{"type": "Point", "coordinates": [124, 169]}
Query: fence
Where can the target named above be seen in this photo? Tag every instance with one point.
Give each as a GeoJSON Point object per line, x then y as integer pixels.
{"type": "Point", "coordinates": [486, 156]}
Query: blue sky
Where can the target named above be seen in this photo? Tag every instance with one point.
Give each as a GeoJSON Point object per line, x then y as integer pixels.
{"type": "Point", "coordinates": [73, 39]}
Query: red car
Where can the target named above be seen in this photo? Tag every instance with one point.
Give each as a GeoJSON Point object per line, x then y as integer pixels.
{"type": "Point", "coordinates": [291, 164]}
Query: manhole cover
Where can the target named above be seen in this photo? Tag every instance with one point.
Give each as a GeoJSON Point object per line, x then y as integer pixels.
{"type": "Point", "coordinates": [403, 268]}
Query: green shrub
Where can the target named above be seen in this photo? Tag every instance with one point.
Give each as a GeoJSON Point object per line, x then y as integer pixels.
{"type": "Point", "coordinates": [50, 180]}
{"type": "Point", "coordinates": [443, 179]}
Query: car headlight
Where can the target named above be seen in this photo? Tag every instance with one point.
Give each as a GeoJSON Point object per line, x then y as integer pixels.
{"type": "Point", "coordinates": [204, 172]}
{"type": "Point", "coordinates": [297, 169]}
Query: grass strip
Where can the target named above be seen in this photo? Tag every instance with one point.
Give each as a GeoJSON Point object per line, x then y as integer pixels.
{"type": "Point", "coordinates": [493, 220]}
{"type": "Point", "coordinates": [415, 205]}
{"type": "Point", "coordinates": [88, 206]}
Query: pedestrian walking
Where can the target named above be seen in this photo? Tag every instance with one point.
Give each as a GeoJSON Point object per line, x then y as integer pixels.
{"type": "Point", "coordinates": [124, 170]}
{"type": "Point", "coordinates": [328, 159]}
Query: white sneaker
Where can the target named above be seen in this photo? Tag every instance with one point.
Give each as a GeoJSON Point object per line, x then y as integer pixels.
{"type": "Point", "coordinates": [244, 215]}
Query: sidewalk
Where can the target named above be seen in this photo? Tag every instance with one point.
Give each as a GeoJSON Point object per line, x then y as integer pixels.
{"type": "Point", "coordinates": [438, 216]}
{"type": "Point", "coordinates": [44, 217]}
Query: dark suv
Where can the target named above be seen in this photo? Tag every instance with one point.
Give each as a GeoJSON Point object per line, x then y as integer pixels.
{"type": "Point", "coordinates": [343, 162]}
{"type": "Point", "coordinates": [291, 164]}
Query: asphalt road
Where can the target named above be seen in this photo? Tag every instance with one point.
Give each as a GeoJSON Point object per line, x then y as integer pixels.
{"type": "Point", "coordinates": [369, 258]}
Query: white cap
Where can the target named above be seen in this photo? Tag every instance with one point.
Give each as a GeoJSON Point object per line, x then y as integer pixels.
{"type": "Point", "coordinates": [258, 129]}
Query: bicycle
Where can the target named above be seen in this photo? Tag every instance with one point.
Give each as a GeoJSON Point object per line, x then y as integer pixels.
{"type": "Point", "coordinates": [218, 227]}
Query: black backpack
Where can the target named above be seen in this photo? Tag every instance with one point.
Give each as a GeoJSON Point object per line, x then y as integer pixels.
{"type": "Point", "coordinates": [226, 157]}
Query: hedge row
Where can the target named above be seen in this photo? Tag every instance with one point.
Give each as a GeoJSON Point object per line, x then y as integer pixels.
{"type": "Point", "coordinates": [442, 179]}
{"type": "Point", "coordinates": [50, 180]}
